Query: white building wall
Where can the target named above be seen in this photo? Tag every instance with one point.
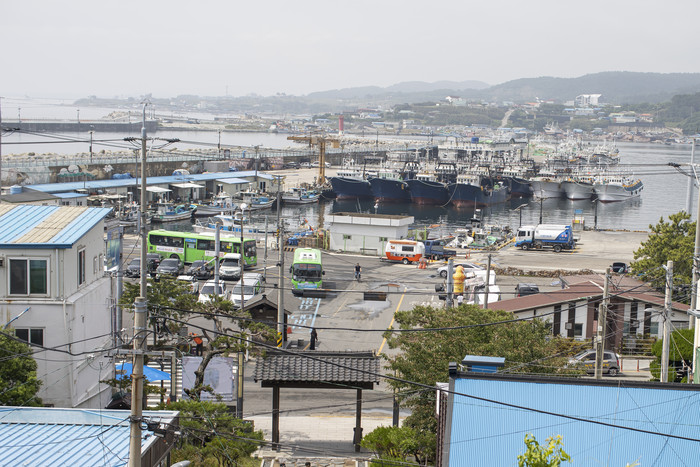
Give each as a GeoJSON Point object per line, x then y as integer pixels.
{"type": "Point", "coordinates": [364, 238]}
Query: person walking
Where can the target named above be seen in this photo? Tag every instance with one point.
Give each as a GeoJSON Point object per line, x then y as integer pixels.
{"type": "Point", "coordinates": [200, 344]}
{"type": "Point", "coordinates": [314, 337]}
{"type": "Point", "coordinates": [358, 272]}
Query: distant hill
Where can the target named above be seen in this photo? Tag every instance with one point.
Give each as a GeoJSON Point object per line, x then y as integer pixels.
{"type": "Point", "coordinates": [616, 87]}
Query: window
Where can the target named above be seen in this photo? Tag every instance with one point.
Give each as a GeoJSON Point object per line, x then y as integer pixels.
{"type": "Point", "coordinates": [578, 329]}
{"type": "Point", "coordinates": [408, 249]}
{"type": "Point", "coordinates": [347, 237]}
{"type": "Point", "coordinates": [81, 266]}
{"type": "Point", "coordinates": [29, 276]}
{"type": "Point", "coordinates": [31, 335]}
{"type": "Point", "coordinates": [383, 239]}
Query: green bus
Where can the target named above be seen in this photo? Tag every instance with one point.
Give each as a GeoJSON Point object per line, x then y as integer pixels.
{"type": "Point", "coordinates": [307, 269]}
{"type": "Point", "coordinates": [189, 246]}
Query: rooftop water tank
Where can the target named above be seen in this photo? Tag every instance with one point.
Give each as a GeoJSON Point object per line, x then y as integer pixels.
{"type": "Point", "coordinates": [15, 189]}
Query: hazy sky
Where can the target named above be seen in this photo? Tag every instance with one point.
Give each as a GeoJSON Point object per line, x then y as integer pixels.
{"type": "Point", "coordinates": [77, 48]}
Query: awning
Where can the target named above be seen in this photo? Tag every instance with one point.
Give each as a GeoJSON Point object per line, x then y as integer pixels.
{"type": "Point", "coordinates": [233, 181]}
{"type": "Point", "coordinates": [157, 189]}
{"type": "Point", "coordinates": [187, 185]}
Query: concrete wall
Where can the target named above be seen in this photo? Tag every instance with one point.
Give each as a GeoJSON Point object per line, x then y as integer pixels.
{"type": "Point", "coordinates": [365, 239]}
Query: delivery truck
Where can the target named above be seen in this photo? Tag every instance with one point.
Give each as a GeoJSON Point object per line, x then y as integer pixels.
{"type": "Point", "coordinates": [537, 237]}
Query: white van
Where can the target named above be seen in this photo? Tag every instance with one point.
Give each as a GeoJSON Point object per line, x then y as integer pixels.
{"type": "Point", "coordinates": [230, 267]}
{"type": "Point", "coordinates": [252, 285]}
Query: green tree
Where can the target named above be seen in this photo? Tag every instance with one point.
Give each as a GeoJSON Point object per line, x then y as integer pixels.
{"type": "Point", "coordinates": [392, 443]}
{"type": "Point", "coordinates": [680, 355]}
{"type": "Point", "coordinates": [551, 455]}
{"type": "Point", "coordinates": [424, 356]}
{"type": "Point", "coordinates": [212, 435]}
{"type": "Point", "coordinates": [675, 241]}
{"type": "Point", "coordinates": [18, 379]}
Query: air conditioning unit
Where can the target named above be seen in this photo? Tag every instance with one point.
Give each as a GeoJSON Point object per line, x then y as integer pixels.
{"type": "Point", "coordinates": [569, 326]}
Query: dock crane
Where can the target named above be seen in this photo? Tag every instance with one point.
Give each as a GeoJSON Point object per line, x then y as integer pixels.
{"type": "Point", "coordinates": [319, 141]}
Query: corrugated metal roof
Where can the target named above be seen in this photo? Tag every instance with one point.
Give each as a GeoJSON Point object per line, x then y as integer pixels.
{"type": "Point", "coordinates": [325, 367]}
{"type": "Point", "coordinates": [28, 226]}
{"type": "Point", "coordinates": [499, 435]}
{"type": "Point", "coordinates": [121, 183]}
{"type": "Point", "coordinates": [34, 436]}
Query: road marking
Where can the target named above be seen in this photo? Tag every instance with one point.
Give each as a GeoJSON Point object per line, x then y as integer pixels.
{"type": "Point", "coordinates": [392, 320]}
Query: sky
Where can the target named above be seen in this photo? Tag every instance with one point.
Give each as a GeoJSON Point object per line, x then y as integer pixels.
{"type": "Point", "coordinates": [128, 48]}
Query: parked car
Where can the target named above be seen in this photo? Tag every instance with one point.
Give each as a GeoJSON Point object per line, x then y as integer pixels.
{"type": "Point", "coordinates": [170, 267]}
{"type": "Point", "coordinates": [201, 269]}
{"type": "Point", "coordinates": [305, 165]}
{"type": "Point", "coordinates": [252, 285]}
{"type": "Point", "coordinates": [152, 262]}
{"type": "Point", "coordinates": [619, 268]}
{"type": "Point", "coordinates": [442, 270]}
{"type": "Point", "coordinates": [229, 267]}
{"type": "Point", "coordinates": [210, 288]}
{"type": "Point", "coordinates": [523, 289]}
{"type": "Point", "coordinates": [291, 165]}
{"type": "Point", "coordinates": [191, 281]}
{"type": "Point", "coordinates": [586, 359]}
{"type": "Point", "coordinates": [134, 268]}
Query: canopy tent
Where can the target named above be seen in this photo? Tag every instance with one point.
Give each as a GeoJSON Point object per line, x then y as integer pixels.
{"type": "Point", "coordinates": [157, 189]}
{"type": "Point", "coordinates": [151, 374]}
{"type": "Point", "coordinates": [187, 185]}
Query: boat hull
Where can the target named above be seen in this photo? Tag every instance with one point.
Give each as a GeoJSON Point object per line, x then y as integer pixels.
{"type": "Point", "coordinates": [519, 187]}
{"type": "Point", "coordinates": [393, 191]}
{"type": "Point", "coordinates": [547, 189]}
{"type": "Point", "coordinates": [350, 188]}
{"type": "Point", "coordinates": [171, 217]}
{"type": "Point", "coordinates": [428, 192]}
{"type": "Point", "coordinates": [611, 192]}
{"type": "Point", "coordinates": [465, 195]}
{"type": "Point", "coordinates": [578, 190]}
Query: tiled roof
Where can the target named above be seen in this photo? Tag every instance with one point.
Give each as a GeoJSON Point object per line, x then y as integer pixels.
{"type": "Point", "coordinates": [28, 226]}
{"type": "Point", "coordinates": [318, 367]}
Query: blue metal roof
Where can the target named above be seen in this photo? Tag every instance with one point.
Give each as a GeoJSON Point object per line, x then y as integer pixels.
{"type": "Point", "coordinates": [121, 183]}
{"type": "Point", "coordinates": [487, 433]}
{"type": "Point", "coordinates": [29, 226]}
{"type": "Point", "coordinates": [59, 437]}
{"type": "Point", "coordinates": [70, 195]}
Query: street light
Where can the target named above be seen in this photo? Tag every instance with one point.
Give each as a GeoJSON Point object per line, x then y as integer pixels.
{"type": "Point", "coordinates": [240, 258]}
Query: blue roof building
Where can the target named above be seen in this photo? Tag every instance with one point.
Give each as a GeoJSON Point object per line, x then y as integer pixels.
{"type": "Point", "coordinates": [35, 436]}
{"type": "Point", "coordinates": [54, 293]}
{"type": "Point", "coordinates": [602, 422]}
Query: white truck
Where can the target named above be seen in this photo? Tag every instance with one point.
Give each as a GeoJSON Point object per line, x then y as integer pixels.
{"type": "Point", "coordinates": [556, 236]}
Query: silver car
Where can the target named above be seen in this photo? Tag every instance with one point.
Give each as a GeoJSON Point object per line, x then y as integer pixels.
{"type": "Point", "coordinates": [442, 270]}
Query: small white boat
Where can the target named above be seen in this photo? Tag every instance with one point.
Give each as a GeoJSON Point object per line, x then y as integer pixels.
{"type": "Point", "coordinates": [166, 212]}
{"type": "Point", "coordinates": [255, 201]}
{"type": "Point", "coordinates": [612, 188]}
{"type": "Point", "coordinates": [300, 196]}
{"type": "Point", "coordinates": [221, 203]}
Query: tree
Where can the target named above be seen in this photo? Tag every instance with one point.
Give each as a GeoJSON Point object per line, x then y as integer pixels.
{"type": "Point", "coordinates": [391, 443]}
{"type": "Point", "coordinates": [675, 241]}
{"type": "Point", "coordinates": [211, 435]}
{"type": "Point", "coordinates": [425, 356]}
{"type": "Point", "coordinates": [551, 455]}
{"type": "Point", "coordinates": [18, 379]}
{"type": "Point", "coordinates": [680, 355]}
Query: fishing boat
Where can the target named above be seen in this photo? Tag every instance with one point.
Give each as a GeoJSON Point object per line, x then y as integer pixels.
{"type": "Point", "coordinates": [546, 185]}
{"type": "Point", "coordinates": [255, 201]}
{"type": "Point", "coordinates": [578, 187]}
{"type": "Point", "coordinates": [472, 190]}
{"type": "Point", "coordinates": [300, 196]}
{"type": "Point", "coordinates": [617, 187]}
{"type": "Point", "coordinates": [350, 183]}
{"type": "Point", "coordinates": [221, 203]}
{"type": "Point", "coordinates": [167, 212]}
{"type": "Point", "coordinates": [389, 186]}
{"type": "Point", "coordinates": [425, 189]}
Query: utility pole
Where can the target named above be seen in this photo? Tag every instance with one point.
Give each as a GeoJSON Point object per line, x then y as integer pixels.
{"type": "Point", "coordinates": [281, 335]}
{"type": "Point", "coordinates": [667, 322]}
{"type": "Point", "coordinates": [450, 283]}
{"type": "Point", "coordinates": [602, 328]}
{"type": "Point", "coordinates": [488, 281]}
{"type": "Point", "coordinates": [140, 320]}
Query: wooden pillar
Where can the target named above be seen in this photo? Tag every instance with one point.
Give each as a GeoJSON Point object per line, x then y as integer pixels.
{"type": "Point", "coordinates": [358, 422]}
{"type": "Point", "coordinates": [276, 417]}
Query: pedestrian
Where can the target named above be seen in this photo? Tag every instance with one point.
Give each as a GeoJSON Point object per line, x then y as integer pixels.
{"type": "Point", "coordinates": [460, 299]}
{"type": "Point", "coordinates": [314, 336]}
{"type": "Point", "coordinates": [200, 344]}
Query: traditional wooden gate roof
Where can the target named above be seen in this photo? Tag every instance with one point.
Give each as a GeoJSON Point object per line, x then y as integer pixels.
{"type": "Point", "coordinates": [314, 369]}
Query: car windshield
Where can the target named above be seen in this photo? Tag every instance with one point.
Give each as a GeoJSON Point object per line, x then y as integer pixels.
{"type": "Point", "coordinates": [170, 263]}
{"type": "Point", "coordinates": [247, 290]}
{"type": "Point", "coordinates": [208, 289]}
{"type": "Point", "coordinates": [308, 271]}
{"type": "Point", "coordinates": [229, 262]}
{"type": "Point", "coordinates": [135, 262]}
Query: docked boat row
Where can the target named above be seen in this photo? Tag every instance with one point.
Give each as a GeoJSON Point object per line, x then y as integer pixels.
{"type": "Point", "coordinates": [474, 181]}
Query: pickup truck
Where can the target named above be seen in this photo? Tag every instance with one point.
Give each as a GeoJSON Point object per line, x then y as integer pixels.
{"type": "Point", "coordinates": [435, 249]}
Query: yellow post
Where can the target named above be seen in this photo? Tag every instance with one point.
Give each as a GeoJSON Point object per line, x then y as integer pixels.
{"type": "Point", "coordinates": [458, 278]}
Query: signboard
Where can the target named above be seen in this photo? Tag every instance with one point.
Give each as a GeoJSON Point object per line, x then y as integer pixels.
{"type": "Point", "coordinates": [219, 375]}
